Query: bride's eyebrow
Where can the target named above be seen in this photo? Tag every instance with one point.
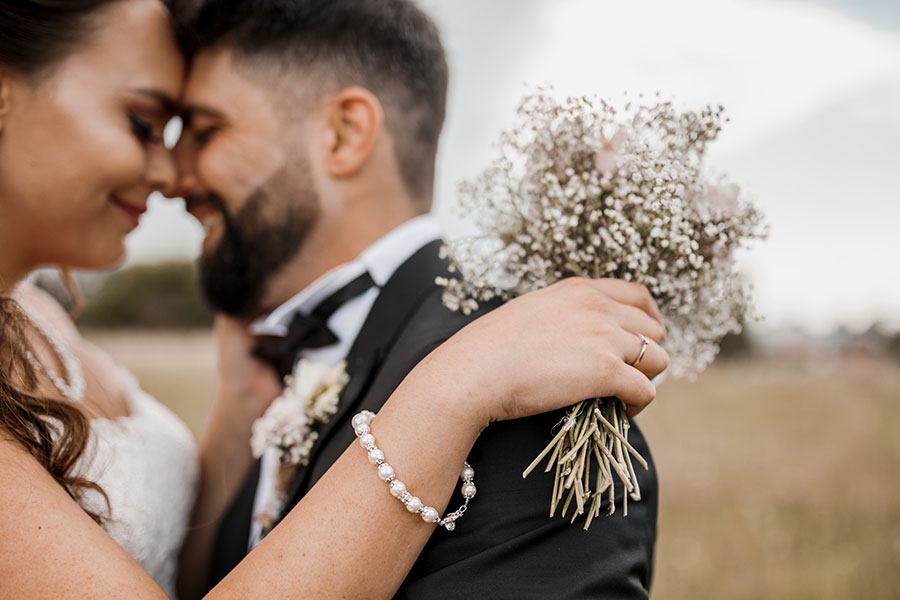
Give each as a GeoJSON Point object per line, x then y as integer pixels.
{"type": "Point", "coordinates": [168, 104]}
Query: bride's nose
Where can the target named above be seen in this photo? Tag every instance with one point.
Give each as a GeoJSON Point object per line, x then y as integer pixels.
{"type": "Point", "coordinates": [162, 173]}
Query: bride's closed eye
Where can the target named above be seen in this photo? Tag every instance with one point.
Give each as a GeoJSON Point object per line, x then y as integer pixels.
{"type": "Point", "coordinates": [148, 113]}
{"type": "Point", "coordinates": [144, 131]}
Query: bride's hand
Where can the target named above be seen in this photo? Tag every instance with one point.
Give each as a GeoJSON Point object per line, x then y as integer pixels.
{"type": "Point", "coordinates": [246, 384]}
{"type": "Point", "coordinates": [552, 348]}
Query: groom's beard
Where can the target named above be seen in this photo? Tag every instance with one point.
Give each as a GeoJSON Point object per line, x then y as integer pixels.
{"type": "Point", "coordinates": [233, 277]}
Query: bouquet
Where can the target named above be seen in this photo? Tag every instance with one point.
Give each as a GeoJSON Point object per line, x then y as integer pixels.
{"type": "Point", "coordinates": [580, 189]}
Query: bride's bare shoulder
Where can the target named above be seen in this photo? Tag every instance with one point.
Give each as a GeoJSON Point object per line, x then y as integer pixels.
{"type": "Point", "coordinates": [50, 533]}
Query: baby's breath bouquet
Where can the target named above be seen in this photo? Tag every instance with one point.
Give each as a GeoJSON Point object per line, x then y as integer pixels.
{"type": "Point", "coordinates": [581, 189]}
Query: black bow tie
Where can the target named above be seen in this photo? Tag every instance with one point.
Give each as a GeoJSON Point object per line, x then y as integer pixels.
{"type": "Point", "coordinates": [308, 331]}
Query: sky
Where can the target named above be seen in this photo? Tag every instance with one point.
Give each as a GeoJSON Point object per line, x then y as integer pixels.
{"type": "Point", "coordinates": [812, 90]}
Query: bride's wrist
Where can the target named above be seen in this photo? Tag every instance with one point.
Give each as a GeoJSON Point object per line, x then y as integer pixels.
{"type": "Point", "coordinates": [453, 385]}
{"type": "Point", "coordinates": [426, 411]}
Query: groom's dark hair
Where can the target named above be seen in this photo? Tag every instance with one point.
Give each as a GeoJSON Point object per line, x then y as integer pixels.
{"type": "Point", "coordinates": [390, 47]}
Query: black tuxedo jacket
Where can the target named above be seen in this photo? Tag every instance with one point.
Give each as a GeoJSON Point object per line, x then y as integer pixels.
{"type": "Point", "coordinates": [506, 546]}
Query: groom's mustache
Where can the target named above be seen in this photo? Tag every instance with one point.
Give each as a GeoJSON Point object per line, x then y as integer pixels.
{"type": "Point", "coordinates": [194, 201]}
{"type": "Point", "coordinates": [201, 206]}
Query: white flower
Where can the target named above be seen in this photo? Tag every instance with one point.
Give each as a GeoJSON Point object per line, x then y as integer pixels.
{"type": "Point", "coordinates": [310, 396]}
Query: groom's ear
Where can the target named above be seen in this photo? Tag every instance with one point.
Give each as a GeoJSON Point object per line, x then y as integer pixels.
{"type": "Point", "coordinates": [355, 120]}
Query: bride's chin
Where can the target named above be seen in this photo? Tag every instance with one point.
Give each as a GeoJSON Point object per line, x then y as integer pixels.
{"type": "Point", "coordinates": [100, 260]}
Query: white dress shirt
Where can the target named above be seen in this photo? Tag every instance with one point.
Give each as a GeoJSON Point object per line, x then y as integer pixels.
{"type": "Point", "coordinates": [381, 260]}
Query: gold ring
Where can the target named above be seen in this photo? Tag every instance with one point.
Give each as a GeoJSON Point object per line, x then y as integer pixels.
{"type": "Point", "coordinates": [644, 343]}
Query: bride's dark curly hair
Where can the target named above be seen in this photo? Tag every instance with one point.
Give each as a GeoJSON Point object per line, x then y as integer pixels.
{"type": "Point", "coordinates": [54, 432]}
{"type": "Point", "coordinates": [35, 36]}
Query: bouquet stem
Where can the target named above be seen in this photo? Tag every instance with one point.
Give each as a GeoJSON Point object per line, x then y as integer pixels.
{"type": "Point", "coordinates": [592, 431]}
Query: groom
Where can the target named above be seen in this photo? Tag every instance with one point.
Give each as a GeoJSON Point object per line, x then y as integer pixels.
{"type": "Point", "coordinates": [308, 154]}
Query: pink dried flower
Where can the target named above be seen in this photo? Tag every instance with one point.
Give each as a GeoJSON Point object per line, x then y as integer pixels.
{"type": "Point", "coordinates": [723, 199]}
{"type": "Point", "coordinates": [606, 160]}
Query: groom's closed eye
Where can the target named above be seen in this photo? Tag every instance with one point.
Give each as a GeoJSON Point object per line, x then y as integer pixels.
{"type": "Point", "coordinates": [201, 123]}
{"type": "Point", "coordinates": [202, 136]}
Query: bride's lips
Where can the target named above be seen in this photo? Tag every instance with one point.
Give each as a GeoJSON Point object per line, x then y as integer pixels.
{"type": "Point", "coordinates": [210, 218]}
{"type": "Point", "coordinates": [131, 212]}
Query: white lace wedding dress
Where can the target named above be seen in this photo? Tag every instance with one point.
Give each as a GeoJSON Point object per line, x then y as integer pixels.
{"type": "Point", "coordinates": [146, 464]}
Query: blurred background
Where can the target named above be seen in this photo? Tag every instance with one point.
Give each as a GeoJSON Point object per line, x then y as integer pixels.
{"type": "Point", "coordinates": [780, 465]}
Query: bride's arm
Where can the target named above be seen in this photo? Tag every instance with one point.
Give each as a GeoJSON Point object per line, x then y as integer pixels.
{"type": "Point", "coordinates": [357, 539]}
{"type": "Point", "coordinates": [348, 537]}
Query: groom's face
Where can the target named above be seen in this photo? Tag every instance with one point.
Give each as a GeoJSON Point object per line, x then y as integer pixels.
{"type": "Point", "coordinates": [245, 176]}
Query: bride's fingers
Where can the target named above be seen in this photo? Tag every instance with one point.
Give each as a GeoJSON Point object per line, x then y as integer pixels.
{"type": "Point", "coordinates": [651, 361]}
{"type": "Point", "coordinates": [633, 388]}
{"type": "Point", "coordinates": [633, 294]}
{"type": "Point", "coordinates": [637, 321]}
{"type": "Point", "coordinates": [633, 411]}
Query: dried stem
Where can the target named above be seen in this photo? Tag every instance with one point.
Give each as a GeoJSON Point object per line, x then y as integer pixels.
{"type": "Point", "coordinates": [593, 431]}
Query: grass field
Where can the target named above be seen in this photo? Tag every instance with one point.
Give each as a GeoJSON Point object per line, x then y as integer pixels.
{"type": "Point", "coordinates": [777, 481]}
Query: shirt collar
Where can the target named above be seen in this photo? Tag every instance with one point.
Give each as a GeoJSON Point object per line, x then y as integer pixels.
{"type": "Point", "coordinates": [380, 259]}
{"type": "Point", "coordinates": [387, 254]}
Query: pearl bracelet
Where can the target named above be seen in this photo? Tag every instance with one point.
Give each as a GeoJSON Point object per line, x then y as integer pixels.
{"type": "Point", "coordinates": [362, 426]}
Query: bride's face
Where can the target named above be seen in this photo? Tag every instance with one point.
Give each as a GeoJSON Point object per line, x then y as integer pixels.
{"type": "Point", "coordinates": [81, 144]}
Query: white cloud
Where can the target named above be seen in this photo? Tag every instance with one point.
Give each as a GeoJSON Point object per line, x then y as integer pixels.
{"type": "Point", "coordinates": [769, 63]}
{"type": "Point", "coordinates": [880, 105]}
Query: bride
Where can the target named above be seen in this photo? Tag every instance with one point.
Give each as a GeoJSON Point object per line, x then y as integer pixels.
{"type": "Point", "coordinates": [98, 479]}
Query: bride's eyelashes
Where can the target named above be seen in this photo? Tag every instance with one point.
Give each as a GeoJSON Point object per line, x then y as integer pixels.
{"type": "Point", "coordinates": [143, 130]}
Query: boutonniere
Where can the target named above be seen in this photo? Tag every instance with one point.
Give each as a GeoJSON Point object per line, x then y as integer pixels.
{"type": "Point", "coordinates": [310, 397]}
